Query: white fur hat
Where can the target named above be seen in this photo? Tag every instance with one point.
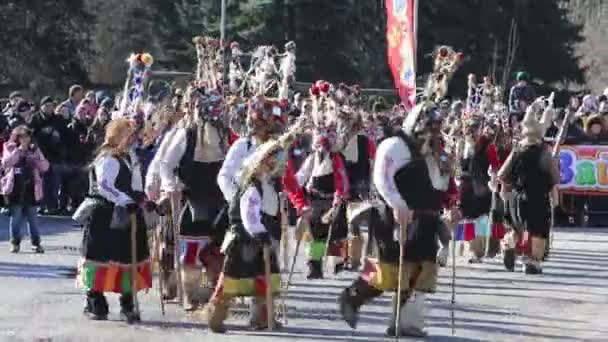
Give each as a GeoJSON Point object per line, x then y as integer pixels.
{"type": "Point", "coordinates": [530, 127]}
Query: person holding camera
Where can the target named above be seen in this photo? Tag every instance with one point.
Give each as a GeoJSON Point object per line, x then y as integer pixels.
{"type": "Point", "coordinates": [21, 185]}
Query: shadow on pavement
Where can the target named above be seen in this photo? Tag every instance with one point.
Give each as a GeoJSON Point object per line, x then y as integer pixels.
{"type": "Point", "coordinates": [172, 325]}
{"type": "Point", "coordinates": [47, 225]}
{"type": "Point", "coordinates": [22, 270]}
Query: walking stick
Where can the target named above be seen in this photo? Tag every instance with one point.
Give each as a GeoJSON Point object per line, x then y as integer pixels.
{"type": "Point", "coordinates": [178, 266]}
{"type": "Point", "coordinates": [269, 310]}
{"type": "Point", "coordinates": [285, 231]}
{"type": "Point", "coordinates": [561, 135]}
{"type": "Point", "coordinates": [328, 219]}
{"type": "Point", "coordinates": [453, 279]}
{"type": "Point", "coordinates": [490, 224]}
{"type": "Point", "coordinates": [289, 278]}
{"type": "Point", "coordinates": [399, 281]}
{"type": "Point", "coordinates": [160, 270]}
{"type": "Point", "coordinates": [293, 263]}
{"type": "Point", "coordinates": [134, 262]}
{"type": "Point", "coordinates": [285, 247]}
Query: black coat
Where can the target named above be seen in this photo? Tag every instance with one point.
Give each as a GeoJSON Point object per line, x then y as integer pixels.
{"type": "Point", "coordinates": [48, 133]}
{"type": "Point", "coordinates": [80, 151]}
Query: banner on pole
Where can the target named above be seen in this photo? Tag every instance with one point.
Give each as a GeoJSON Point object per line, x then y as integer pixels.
{"type": "Point", "coordinates": [401, 47]}
{"type": "Point", "coordinates": [583, 169]}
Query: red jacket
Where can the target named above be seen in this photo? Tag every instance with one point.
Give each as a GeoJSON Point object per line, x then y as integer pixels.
{"type": "Point", "coordinates": [297, 194]}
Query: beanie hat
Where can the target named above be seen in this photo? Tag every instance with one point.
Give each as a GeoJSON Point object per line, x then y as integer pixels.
{"type": "Point", "coordinates": [522, 76]}
{"type": "Point", "coordinates": [45, 100]}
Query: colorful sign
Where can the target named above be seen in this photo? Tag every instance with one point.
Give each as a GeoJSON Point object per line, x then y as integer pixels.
{"type": "Point", "coordinates": [401, 50]}
{"type": "Point", "coordinates": [583, 168]}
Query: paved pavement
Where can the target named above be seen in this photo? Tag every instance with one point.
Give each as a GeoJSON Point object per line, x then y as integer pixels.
{"type": "Point", "coordinates": [569, 302]}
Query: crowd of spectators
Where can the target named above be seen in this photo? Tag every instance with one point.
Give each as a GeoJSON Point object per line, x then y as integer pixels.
{"type": "Point", "coordinates": [66, 133]}
{"type": "Point", "coordinates": [588, 120]}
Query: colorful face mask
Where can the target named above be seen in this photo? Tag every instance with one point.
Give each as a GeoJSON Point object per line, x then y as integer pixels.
{"type": "Point", "coordinates": [324, 139]}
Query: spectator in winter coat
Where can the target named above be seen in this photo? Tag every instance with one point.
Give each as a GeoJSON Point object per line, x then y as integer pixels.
{"type": "Point", "coordinates": [522, 95]}
{"type": "Point", "coordinates": [92, 101]}
{"type": "Point", "coordinates": [22, 115]}
{"type": "Point", "coordinates": [96, 133]}
{"type": "Point", "coordinates": [573, 134]}
{"type": "Point", "coordinates": [595, 127]}
{"type": "Point", "coordinates": [22, 185]}
{"type": "Point", "coordinates": [14, 98]}
{"type": "Point", "coordinates": [48, 128]}
{"type": "Point", "coordinates": [74, 183]}
{"type": "Point", "coordinates": [68, 107]}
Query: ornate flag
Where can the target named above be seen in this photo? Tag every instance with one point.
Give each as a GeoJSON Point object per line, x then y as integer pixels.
{"type": "Point", "coordinates": [401, 50]}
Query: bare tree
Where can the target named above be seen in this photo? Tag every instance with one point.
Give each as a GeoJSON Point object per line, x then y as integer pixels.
{"type": "Point", "coordinates": [511, 54]}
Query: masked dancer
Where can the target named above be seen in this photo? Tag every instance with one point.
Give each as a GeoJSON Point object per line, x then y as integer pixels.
{"type": "Point", "coordinates": [195, 154]}
{"type": "Point", "coordinates": [255, 221]}
{"type": "Point", "coordinates": [529, 173]}
{"type": "Point", "coordinates": [106, 262]}
{"type": "Point", "coordinates": [403, 178]}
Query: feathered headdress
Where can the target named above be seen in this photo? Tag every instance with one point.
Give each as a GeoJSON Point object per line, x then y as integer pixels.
{"type": "Point", "coordinates": [531, 129]}
{"type": "Point", "coordinates": [275, 151]}
{"type": "Point", "coordinates": [134, 89]}
{"type": "Point", "coordinates": [445, 65]}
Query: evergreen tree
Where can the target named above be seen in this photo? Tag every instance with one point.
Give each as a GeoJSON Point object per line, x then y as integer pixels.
{"type": "Point", "coordinates": [122, 27]}
{"type": "Point", "coordinates": [481, 28]}
{"type": "Point", "coordinates": [176, 23]}
{"type": "Point", "coordinates": [44, 44]}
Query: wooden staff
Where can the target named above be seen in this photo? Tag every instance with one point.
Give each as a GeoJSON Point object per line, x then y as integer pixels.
{"type": "Point", "coordinates": [453, 313]}
{"type": "Point", "coordinates": [561, 135]}
{"type": "Point", "coordinates": [269, 310]}
{"type": "Point", "coordinates": [295, 255]}
{"type": "Point", "coordinates": [399, 281]}
{"type": "Point", "coordinates": [285, 247]}
{"type": "Point", "coordinates": [160, 270]}
{"type": "Point", "coordinates": [134, 262]}
{"type": "Point", "coordinates": [178, 266]}
{"type": "Point", "coordinates": [285, 230]}
{"type": "Point", "coordinates": [124, 100]}
{"type": "Point", "coordinates": [328, 219]}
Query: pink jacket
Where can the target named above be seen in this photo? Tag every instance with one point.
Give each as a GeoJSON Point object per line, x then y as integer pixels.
{"type": "Point", "coordinates": [11, 157]}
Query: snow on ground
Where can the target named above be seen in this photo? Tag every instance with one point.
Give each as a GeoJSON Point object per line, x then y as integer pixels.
{"type": "Point", "coordinates": [569, 302]}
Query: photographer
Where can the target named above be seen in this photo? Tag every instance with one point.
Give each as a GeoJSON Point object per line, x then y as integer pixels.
{"type": "Point", "coordinates": [24, 164]}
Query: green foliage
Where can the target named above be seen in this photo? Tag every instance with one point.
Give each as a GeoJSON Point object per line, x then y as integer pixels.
{"type": "Point", "coordinates": [44, 44]}
{"type": "Point", "coordinates": [480, 28]}
{"type": "Point", "coordinates": [52, 42]}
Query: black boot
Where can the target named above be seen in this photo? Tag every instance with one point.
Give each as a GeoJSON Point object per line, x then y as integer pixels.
{"type": "Point", "coordinates": [96, 307]}
{"type": "Point", "coordinates": [339, 267]}
{"type": "Point", "coordinates": [353, 297]}
{"type": "Point", "coordinates": [509, 259]}
{"type": "Point", "coordinates": [315, 270]}
{"type": "Point", "coordinates": [532, 268]}
{"type": "Point", "coordinates": [127, 309]}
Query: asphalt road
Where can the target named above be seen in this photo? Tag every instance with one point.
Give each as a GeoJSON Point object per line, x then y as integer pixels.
{"type": "Point", "coordinates": [569, 302]}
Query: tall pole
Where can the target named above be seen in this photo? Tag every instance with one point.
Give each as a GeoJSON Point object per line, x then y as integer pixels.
{"type": "Point", "coordinates": [223, 22]}
{"type": "Point", "coordinates": [224, 48]}
{"type": "Point", "coordinates": [416, 35]}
